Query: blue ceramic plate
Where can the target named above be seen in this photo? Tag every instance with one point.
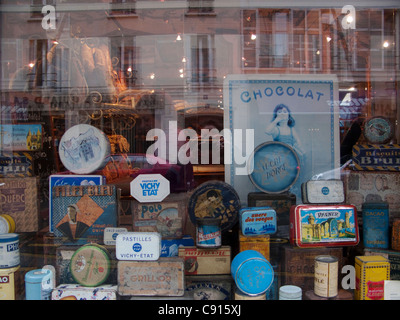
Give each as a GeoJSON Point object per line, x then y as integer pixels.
{"type": "Point", "coordinates": [274, 167]}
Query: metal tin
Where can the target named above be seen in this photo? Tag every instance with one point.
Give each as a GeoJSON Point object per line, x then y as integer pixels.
{"type": "Point", "coordinates": [90, 265]}
{"type": "Point", "coordinates": [208, 233]}
{"type": "Point", "coordinates": [396, 234]}
{"type": "Point", "coordinates": [378, 130]}
{"type": "Point", "coordinates": [259, 243]}
{"type": "Point", "coordinates": [290, 292]}
{"type": "Point", "coordinates": [9, 283]}
{"type": "Point", "coordinates": [322, 191]}
{"type": "Point", "coordinates": [376, 157]}
{"type": "Point", "coordinates": [110, 235]}
{"type": "Point", "coordinates": [323, 225]}
{"type": "Point", "coordinates": [326, 273]}
{"type": "Point", "coordinates": [252, 273]}
{"type": "Point", "coordinates": [210, 287]}
{"type": "Point", "coordinates": [77, 292]}
{"type": "Point", "coordinates": [139, 246]}
{"type": "Point", "coordinates": [9, 250]}
{"type": "Point", "coordinates": [7, 224]}
{"type": "Point", "coordinates": [391, 255]}
{"type": "Point", "coordinates": [375, 218]}
{"type": "Point", "coordinates": [257, 221]}
{"type": "Point", "coordinates": [371, 273]}
{"type": "Point", "coordinates": [274, 167]}
{"type": "Point", "coordinates": [239, 295]}
{"type": "Point", "coordinates": [39, 284]}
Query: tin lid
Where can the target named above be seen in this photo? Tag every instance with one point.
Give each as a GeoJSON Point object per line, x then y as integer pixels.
{"type": "Point", "coordinates": [37, 275]}
{"type": "Point", "coordinates": [326, 258]}
{"type": "Point", "coordinates": [7, 237]}
{"type": "Point", "coordinates": [290, 292]}
{"type": "Point", "coordinates": [375, 205]}
{"type": "Point", "coordinates": [90, 265]}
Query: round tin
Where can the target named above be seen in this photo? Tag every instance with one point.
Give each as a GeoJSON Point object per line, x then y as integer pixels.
{"type": "Point", "coordinates": [274, 167]}
{"type": "Point", "coordinates": [84, 149]}
{"type": "Point", "coordinates": [208, 233]}
{"type": "Point", "coordinates": [9, 250]}
{"type": "Point", "coordinates": [252, 273]}
{"type": "Point", "coordinates": [378, 130]}
{"type": "Point", "coordinates": [290, 292]}
{"type": "Point", "coordinates": [10, 283]}
{"type": "Point", "coordinates": [326, 276]}
{"type": "Point", "coordinates": [239, 295]}
{"type": "Point", "coordinates": [215, 199]}
{"type": "Point", "coordinates": [38, 284]}
{"type": "Point", "coordinates": [90, 265]}
{"type": "Point", "coordinates": [7, 224]}
{"type": "Point", "coordinates": [375, 218]}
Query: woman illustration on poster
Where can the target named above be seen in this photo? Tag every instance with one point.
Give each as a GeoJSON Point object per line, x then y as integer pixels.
{"type": "Point", "coordinates": [282, 129]}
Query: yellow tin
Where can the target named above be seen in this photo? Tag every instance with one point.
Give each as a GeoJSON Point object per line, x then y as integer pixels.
{"type": "Point", "coordinates": [371, 273]}
{"type": "Point", "coordinates": [9, 283]}
{"type": "Point", "coordinates": [260, 243]}
{"type": "Point", "coordinates": [7, 224]}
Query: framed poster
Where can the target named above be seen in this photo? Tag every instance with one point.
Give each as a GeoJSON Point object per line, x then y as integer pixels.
{"type": "Point", "coordinates": [297, 110]}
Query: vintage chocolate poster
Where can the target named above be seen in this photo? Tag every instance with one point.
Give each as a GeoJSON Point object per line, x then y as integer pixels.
{"type": "Point", "coordinates": [281, 131]}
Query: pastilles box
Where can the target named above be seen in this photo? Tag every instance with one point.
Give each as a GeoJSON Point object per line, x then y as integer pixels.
{"type": "Point", "coordinates": [81, 213]}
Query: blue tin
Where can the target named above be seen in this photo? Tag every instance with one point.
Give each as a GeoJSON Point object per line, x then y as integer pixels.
{"type": "Point", "coordinates": [257, 221]}
{"type": "Point", "coordinates": [208, 233]}
{"type": "Point", "coordinates": [375, 218]}
{"type": "Point", "coordinates": [252, 273]}
{"type": "Point", "coordinates": [38, 284]}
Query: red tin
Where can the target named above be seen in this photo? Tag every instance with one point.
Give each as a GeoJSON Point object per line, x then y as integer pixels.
{"type": "Point", "coordinates": [323, 225]}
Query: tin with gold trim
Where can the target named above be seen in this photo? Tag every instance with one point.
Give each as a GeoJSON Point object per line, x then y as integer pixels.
{"type": "Point", "coordinates": [326, 276]}
{"type": "Point", "coordinates": [9, 250]}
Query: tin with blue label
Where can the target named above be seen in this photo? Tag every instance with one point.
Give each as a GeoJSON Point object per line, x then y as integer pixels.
{"type": "Point", "coordinates": [39, 284]}
{"type": "Point", "coordinates": [9, 250]}
{"type": "Point", "coordinates": [252, 273]}
{"type": "Point", "coordinates": [208, 233]}
{"type": "Point", "coordinates": [375, 217]}
{"type": "Point", "coordinates": [257, 221]}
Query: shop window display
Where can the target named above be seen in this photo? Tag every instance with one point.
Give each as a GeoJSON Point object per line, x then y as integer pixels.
{"type": "Point", "coordinates": [174, 149]}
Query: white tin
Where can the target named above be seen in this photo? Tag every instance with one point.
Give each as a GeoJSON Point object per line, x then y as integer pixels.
{"type": "Point", "coordinates": [110, 235]}
{"type": "Point", "coordinates": [323, 191]}
{"type": "Point", "coordinates": [138, 246]}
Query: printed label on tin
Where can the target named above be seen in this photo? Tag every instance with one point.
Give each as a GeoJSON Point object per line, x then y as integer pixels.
{"type": "Point", "coordinates": [138, 246]}
{"type": "Point", "coordinates": [258, 221]}
{"type": "Point", "coordinates": [208, 236]}
{"type": "Point", "coordinates": [326, 278]}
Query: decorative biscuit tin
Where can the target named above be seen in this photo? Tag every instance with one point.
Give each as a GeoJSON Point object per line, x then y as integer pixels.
{"type": "Point", "coordinates": [84, 149]}
{"type": "Point", "coordinates": [392, 256]}
{"type": "Point", "coordinates": [16, 164]}
{"type": "Point", "coordinates": [138, 246]}
{"type": "Point", "coordinates": [90, 265]}
{"type": "Point", "coordinates": [215, 199]}
{"type": "Point", "coordinates": [375, 218]}
{"type": "Point", "coordinates": [326, 276]}
{"type": "Point", "coordinates": [378, 130]}
{"type": "Point", "coordinates": [9, 250]}
{"type": "Point", "coordinates": [78, 292]}
{"type": "Point", "coordinates": [164, 277]}
{"type": "Point", "coordinates": [274, 167]}
{"type": "Point", "coordinates": [371, 273]}
{"type": "Point", "coordinates": [21, 137]}
{"type": "Point", "coordinates": [199, 261]}
{"type": "Point", "coordinates": [323, 225]}
{"type": "Point", "coordinates": [208, 233]}
{"type": "Point", "coordinates": [260, 243]}
{"type": "Point", "coordinates": [39, 284]}
{"type": "Point", "coordinates": [9, 283]}
{"type": "Point", "coordinates": [257, 221]}
{"type": "Point", "coordinates": [252, 273]}
{"type": "Point", "coordinates": [7, 224]}
{"type": "Point", "coordinates": [376, 157]}
{"type": "Point", "coordinates": [322, 191]}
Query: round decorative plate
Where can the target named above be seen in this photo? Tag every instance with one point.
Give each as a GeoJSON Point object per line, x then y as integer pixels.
{"type": "Point", "coordinates": [215, 199]}
{"type": "Point", "coordinates": [378, 130]}
{"type": "Point", "coordinates": [274, 167]}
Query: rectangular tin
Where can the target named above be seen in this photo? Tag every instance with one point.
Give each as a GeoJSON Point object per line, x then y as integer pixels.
{"type": "Point", "coordinates": [257, 221]}
{"type": "Point", "coordinates": [260, 243]}
{"type": "Point", "coordinates": [206, 261]}
{"type": "Point", "coordinates": [16, 164]}
{"type": "Point", "coordinates": [375, 225]}
{"type": "Point", "coordinates": [10, 282]}
{"type": "Point", "coordinates": [164, 277]}
{"type": "Point", "coordinates": [78, 292]}
{"type": "Point", "coordinates": [165, 217]}
{"type": "Point", "coordinates": [169, 247]}
{"type": "Point", "coordinates": [376, 157]}
{"type": "Point", "coordinates": [323, 225]}
{"type": "Point", "coordinates": [393, 258]}
{"type": "Point", "coordinates": [110, 235]}
{"type": "Point", "coordinates": [371, 273]}
{"type": "Point", "coordinates": [21, 137]}
{"type": "Point", "coordinates": [139, 246]}
{"type": "Point", "coordinates": [323, 191]}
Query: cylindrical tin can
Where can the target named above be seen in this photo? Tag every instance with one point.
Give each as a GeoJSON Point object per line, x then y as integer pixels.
{"type": "Point", "coordinates": [208, 233]}
{"type": "Point", "coordinates": [396, 234]}
{"type": "Point", "coordinates": [90, 265]}
{"type": "Point", "coordinates": [239, 295]}
{"type": "Point", "coordinates": [375, 225]}
{"type": "Point", "coordinates": [9, 250]}
{"type": "Point", "coordinates": [252, 273]}
{"type": "Point", "coordinates": [290, 292]}
{"type": "Point", "coordinates": [326, 276]}
{"type": "Point", "coordinates": [38, 284]}
{"type": "Point", "coordinates": [9, 283]}
{"type": "Point", "coordinates": [7, 224]}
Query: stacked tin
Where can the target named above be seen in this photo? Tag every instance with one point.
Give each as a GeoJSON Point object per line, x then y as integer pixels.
{"type": "Point", "coordinates": [9, 266]}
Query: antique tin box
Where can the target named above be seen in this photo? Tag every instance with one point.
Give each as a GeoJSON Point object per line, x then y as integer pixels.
{"type": "Point", "coordinates": [260, 243]}
{"type": "Point", "coordinates": [371, 273]}
{"type": "Point", "coordinates": [376, 157]}
{"type": "Point", "coordinates": [138, 246]}
{"type": "Point", "coordinates": [375, 222]}
{"type": "Point", "coordinates": [257, 221]}
{"type": "Point", "coordinates": [392, 256]}
{"type": "Point", "coordinates": [322, 191]}
{"type": "Point", "coordinates": [323, 225]}
{"type": "Point", "coordinates": [77, 292]}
